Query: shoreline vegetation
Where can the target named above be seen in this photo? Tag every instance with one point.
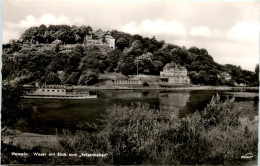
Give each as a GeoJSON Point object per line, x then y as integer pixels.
{"type": "Point", "coordinates": [143, 135]}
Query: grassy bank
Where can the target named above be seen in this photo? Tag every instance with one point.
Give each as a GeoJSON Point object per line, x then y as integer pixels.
{"type": "Point", "coordinates": [144, 135]}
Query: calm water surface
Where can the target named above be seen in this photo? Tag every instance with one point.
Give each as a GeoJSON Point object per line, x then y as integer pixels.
{"type": "Point", "coordinates": [47, 116]}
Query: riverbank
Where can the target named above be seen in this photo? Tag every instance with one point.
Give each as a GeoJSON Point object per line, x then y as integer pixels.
{"type": "Point", "coordinates": [26, 140]}
{"type": "Point", "coordinates": [157, 87]}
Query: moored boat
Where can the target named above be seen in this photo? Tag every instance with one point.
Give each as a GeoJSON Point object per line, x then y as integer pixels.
{"type": "Point", "coordinates": [53, 92]}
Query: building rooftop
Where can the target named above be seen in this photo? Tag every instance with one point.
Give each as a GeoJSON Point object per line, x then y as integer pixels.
{"type": "Point", "coordinates": [99, 34]}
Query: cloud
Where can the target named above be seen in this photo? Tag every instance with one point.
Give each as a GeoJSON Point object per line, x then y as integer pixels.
{"type": "Point", "coordinates": [10, 34]}
{"type": "Point", "coordinates": [244, 31]}
{"type": "Point", "coordinates": [201, 31]}
{"type": "Point", "coordinates": [46, 19]}
{"type": "Point", "coordinates": [241, 31]}
{"type": "Point", "coordinates": [205, 31]}
{"type": "Point", "coordinates": [174, 27]}
{"type": "Point", "coordinates": [12, 30]}
{"type": "Point", "coordinates": [156, 27]}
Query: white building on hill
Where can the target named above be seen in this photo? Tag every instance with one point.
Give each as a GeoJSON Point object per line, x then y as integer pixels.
{"type": "Point", "coordinates": [100, 38]}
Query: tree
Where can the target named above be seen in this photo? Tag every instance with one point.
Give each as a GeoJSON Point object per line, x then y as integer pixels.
{"type": "Point", "coordinates": [79, 49]}
{"type": "Point", "coordinates": [194, 50]}
{"type": "Point", "coordinates": [89, 77]}
{"type": "Point", "coordinates": [41, 35]}
{"type": "Point", "coordinates": [121, 43]}
{"type": "Point", "coordinates": [194, 76]}
{"type": "Point", "coordinates": [71, 78]}
{"type": "Point", "coordinates": [80, 33]}
{"type": "Point", "coordinates": [65, 34]}
{"type": "Point", "coordinates": [73, 62]}
{"type": "Point", "coordinates": [157, 66]}
{"type": "Point", "coordinates": [144, 63]}
{"type": "Point", "coordinates": [203, 77]}
{"type": "Point", "coordinates": [113, 58]}
{"type": "Point", "coordinates": [56, 45]}
{"type": "Point", "coordinates": [30, 35]}
{"type": "Point", "coordinates": [8, 68]}
{"type": "Point", "coordinates": [83, 79]}
{"type": "Point", "coordinates": [52, 78]}
{"type": "Point", "coordinates": [15, 47]}
{"type": "Point", "coordinates": [12, 107]}
{"type": "Point", "coordinates": [255, 77]}
{"type": "Point", "coordinates": [126, 64]}
{"type": "Point", "coordinates": [257, 69]}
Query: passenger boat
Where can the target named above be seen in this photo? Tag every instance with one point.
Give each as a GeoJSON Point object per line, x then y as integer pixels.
{"type": "Point", "coordinates": [53, 92]}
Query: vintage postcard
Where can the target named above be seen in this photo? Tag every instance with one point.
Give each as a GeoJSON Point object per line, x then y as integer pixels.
{"type": "Point", "coordinates": [121, 82]}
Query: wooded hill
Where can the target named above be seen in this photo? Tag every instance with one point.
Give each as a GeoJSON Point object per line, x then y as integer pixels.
{"type": "Point", "coordinates": [57, 55]}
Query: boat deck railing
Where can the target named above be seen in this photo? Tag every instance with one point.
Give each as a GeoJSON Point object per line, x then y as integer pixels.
{"type": "Point", "coordinates": [52, 86]}
{"type": "Point", "coordinates": [77, 93]}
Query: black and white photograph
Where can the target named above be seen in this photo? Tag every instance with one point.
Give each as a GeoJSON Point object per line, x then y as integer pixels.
{"type": "Point", "coordinates": [130, 82]}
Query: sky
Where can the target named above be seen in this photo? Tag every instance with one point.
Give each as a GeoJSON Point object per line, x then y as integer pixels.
{"type": "Point", "coordinates": [228, 30]}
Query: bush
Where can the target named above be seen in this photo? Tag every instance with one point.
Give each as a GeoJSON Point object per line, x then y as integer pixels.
{"type": "Point", "coordinates": [218, 113]}
{"type": "Point", "coordinates": [141, 135]}
{"type": "Point", "coordinates": [12, 107]}
{"type": "Point", "coordinates": [144, 135]}
{"type": "Point", "coordinates": [230, 135]}
{"type": "Point", "coordinates": [92, 81]}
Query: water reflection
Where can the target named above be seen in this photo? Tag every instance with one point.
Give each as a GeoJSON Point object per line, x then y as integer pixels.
{"type": "Point", "coordinates": [242, 94]}
{"type": "Point", "coordinates": [173, 101]}
{"type": "Point", "coordinates": [127, 94]}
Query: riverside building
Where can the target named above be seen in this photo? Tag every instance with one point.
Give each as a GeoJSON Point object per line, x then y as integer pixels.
{"type": "Point", "coordinates": [174, 74]}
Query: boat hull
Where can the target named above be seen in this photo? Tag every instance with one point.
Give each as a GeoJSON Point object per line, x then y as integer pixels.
{"type": "Point", "coordinates": [60, 97]}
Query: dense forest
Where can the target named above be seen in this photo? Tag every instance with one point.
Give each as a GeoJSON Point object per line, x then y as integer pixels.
{"type": "Point", "coordinates": [57, 55]}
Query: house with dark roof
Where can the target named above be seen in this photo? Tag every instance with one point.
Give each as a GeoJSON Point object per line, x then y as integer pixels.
{"type": "Point", "coordinates": [174, 74]}
{"type": "Point", "coordinates": [100, 38]}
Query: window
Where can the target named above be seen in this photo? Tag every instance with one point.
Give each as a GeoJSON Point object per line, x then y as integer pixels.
{"type": "Point", "coordinates": [58, 90]}
{"type": "Point", "coordinates": [43, 90]}
{"type": "Point", "coordinates": [48, 90]}
{"type": "Point", "coordinates": [62, 90]}
{"type": "Point", "coordinates": [52, 90]}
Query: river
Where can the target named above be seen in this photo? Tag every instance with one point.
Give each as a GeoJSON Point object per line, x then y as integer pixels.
{"type": "Point", "coordinates": [49, 116]}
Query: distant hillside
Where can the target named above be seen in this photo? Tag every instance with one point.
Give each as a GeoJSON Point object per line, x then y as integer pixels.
{"type": "Point", "coordinates": [57, 55]}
